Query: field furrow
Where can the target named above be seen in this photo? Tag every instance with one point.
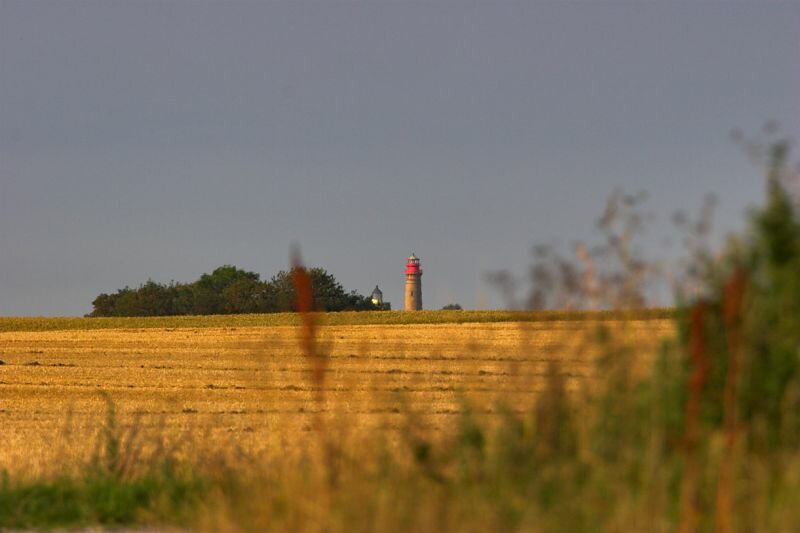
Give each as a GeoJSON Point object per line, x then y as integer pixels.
{"type": "Point", "coordinates": [251, 387]}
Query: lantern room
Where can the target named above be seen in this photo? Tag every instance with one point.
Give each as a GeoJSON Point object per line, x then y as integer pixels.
{"type": "Point", "coordinates": [412, 266]}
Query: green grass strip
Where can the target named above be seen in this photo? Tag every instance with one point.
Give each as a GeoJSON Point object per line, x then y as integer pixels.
{"type": "Point", "coordinates": [93, 500]}
{"type": "Point", "coordinates": [332, 319]}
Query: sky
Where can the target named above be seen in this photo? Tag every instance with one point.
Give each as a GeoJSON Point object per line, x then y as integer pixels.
{"type": "Point", "coordinates": [159, 140]}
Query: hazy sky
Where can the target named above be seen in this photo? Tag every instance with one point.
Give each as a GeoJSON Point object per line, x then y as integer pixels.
{"type": "Point", "coordinates": [163, 139]}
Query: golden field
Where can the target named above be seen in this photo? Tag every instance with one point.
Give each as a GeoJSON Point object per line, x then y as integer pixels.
{"type": "Point", "coordinates": [248, 388]}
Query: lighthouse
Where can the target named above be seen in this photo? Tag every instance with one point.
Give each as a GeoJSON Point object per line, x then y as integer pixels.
{"type": "Point", "coordinates": [413, 284]}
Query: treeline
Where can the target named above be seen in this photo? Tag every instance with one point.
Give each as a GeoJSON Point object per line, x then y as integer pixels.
{"type": "Point", "coordinates": [228, 290]}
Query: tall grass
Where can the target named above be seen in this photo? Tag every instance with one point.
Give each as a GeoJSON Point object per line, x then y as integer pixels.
{"type": "Point", "coordinates": [705, 439]}
{"type": "Point", "coordinates": [127, 480]}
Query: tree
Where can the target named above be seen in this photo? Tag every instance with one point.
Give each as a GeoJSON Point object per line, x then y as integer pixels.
{"type": "Point", "coordinates": [152, 299]}
{"type": "Point", "coordinates": [227, 290]}
{"type": "Point", "coordinates": [328, 294]}
{"type": "Point", "coordinates": [124, 303]}
{"type": "Point", "coordinates": [103, 305]}
{"type": "Point", "coordinates": [245, 295]}
{"type": "Point", "coordinates": [207, 292]}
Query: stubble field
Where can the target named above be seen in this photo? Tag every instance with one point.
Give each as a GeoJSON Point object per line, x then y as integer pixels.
{"type": "Point", "coordinates": [248, 389]}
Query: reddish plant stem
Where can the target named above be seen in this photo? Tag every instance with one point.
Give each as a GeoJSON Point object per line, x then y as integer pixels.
{"type": "Point", "coordinates": [304, 304]}
{"type": "Point", "coordinates": [732, 311]}
{"type": "Point", "coordinates": [700, 368]}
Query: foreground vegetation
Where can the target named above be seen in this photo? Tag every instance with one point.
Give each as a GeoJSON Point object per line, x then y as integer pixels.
{"type": "Point", "coordinates": [95, 497]}
{"type": "Point", "coordinates": [540, 426]}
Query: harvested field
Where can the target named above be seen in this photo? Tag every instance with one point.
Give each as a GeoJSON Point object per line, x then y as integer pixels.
{"type": "Point", "coordinates": [249, 388]}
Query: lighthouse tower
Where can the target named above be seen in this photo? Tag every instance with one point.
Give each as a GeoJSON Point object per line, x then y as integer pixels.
{"type": "Point", "coordinates": [413, 284]}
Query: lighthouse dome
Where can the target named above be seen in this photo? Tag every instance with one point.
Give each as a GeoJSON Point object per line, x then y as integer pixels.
{"type": "Point", "coordinates": [377, 296]}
